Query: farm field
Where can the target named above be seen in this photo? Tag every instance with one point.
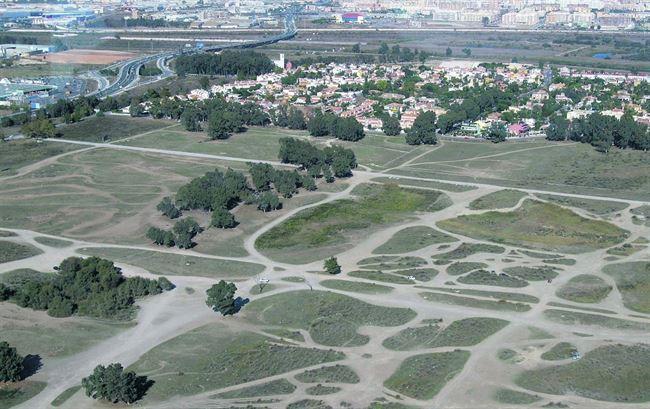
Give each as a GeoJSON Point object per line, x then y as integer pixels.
{"type": "Point", "coordinates": [479, 281]}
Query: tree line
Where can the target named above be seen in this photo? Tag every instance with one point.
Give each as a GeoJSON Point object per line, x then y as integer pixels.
{"type": "Point", "coordinates": [244, 64]}
{"type": "Point", "coordinates": [93, 287]}
{"type": "Point", "coordinates": [327, 123]}
{"type": "Point", "coordinates": [601, 131]}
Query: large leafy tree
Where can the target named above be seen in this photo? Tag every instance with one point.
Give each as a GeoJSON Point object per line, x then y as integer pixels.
{"type": "Point", "coordinates": [221, 298]}
{"type": "Point", "coordinates": [113, 384]}
{"type": "Point", "coordinates": [391, 126]}
{"type": "Point", "coordinates": [497, 133]}
{"type": "Point", "coordinates": [423, 130]}
{"type": "Point", "coordinates": [332, 266]}
{"type": "Point", "coordinates": [11, 364]}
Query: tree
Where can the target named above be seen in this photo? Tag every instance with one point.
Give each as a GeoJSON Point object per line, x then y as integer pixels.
{"type": "Point", "coordinates": [261, 175]}
{"type": "Point", "coordinates": [135, 109]}
{"type": "Point", "coordinates": [467, 52]}
{"type": "Point", "coordinates": [485, 21]}
{"type": "Point", "coordinates": [383, 48]}
{"type": "Point", "coordinates": [296, 119]}
{"type": "Point", "coordinates": [558, 129]}
{"type": "Point", "coordinates": [449, 52]}
{"type": "Point", "coordinates": [391, 126]}
{"type": "Point", "coordinates": [423, 130]}
{"type": "Point", "coordinates": [11, 364]}
{"type": "Point", "coordinates": [113, 384]}
{"type": "Point", "coordinates": [168, 208]}
{"type": "Point", "coordinates": [223, 123]}
{"type": "Point", "coordinates": [161, 237]}
{"type": "Point", "coordinates": [221, 298]}
{"type": "Point", "coordinates": [497, 133]}
{"type": "Point", "coordinates": [39, 128]}
{"type": "Point", "coordinates": [319, 125]}
{"type": "Point", "coordinates": [191, 119]}
{"type": "Point", "coordinates": [356, 48]}
{"type": "Point", "coordinates": [185, 231]}
{"type": "Point", "coordinates": [348, 129]}
{"type": "Point", "coordinates": [222, 219]}
{"type": "Point", "coordinates": [268, 201]}
{"type": "Point", "coordinates": [6, 292]}
{"type": "Point", "coordinates": [332, 266]}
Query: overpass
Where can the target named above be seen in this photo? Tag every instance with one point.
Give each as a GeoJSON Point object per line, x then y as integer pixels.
{"type": "Point", "coordinates": [128, 73]}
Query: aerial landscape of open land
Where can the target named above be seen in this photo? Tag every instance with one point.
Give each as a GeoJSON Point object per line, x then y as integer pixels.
{"type": "Point", "coordinates": [423, 212]}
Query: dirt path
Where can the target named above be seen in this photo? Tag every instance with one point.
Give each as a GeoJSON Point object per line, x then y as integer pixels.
{"type": "Point", "coordinates": [168, 315]}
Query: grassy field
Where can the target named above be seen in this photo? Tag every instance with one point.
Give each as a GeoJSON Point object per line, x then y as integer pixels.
{"type": "Point", "coordinates": [539, 226]}
{"type": "Point", "coordinates": [448, 187]}
{"type": "Point", "coordinates": [52, 242]}
{"type": "Point", "coordinates": [420, 274]}
{"type": "Point", "coordinates": [463, 267]}
{"type": "Point", "coordinates": [111, 128]}
{"type": "Point", "coordinates": [308, 404]}
{"type": "Point", "coordinates": [379, 276]}
{"type": "Point", "coordinates": [318, 390]}
{"type": "Point", "coordinates": [497, 295]}
{"type": "Point", "coordinates": [585, 288]}
{"type": "Point", "coordinates": [255, 143]}
{"type": "Point", "coordinates": [391, 262]}
{"type": "Point", "coordinates": [329, 374]}
{"type": "Point", "coordinates": [423, 376]}
{"type": "Point", "coordinates": [101, 194]}
{"type": "Point", "coordinates": [633, 282]}
{"type": "Point", "coordinates": [560, 351]}
{"type": "Point", "coordinates": [567, 168]}
{"type": "Point", "coordinates": [465, 332]}
{"type": "Point", "coordinates": [212, 357]}
{"type": "Point", "coordinates": [34, 332]}
{"type": "Point", "coordinates": [469, 249]}
{"type": "Point", "coordinates": [327, 229]}
{"type": "Point", "coordinates": [279, 387]}
{"type": "Point", "coordinates": [10, 251]}
{"type": "Point", "coordinates": [412, 239]}
{"type": "Point", "coordinates": [177, 264]}
{"type": "Point", "coordinates": [497, 200]}
{"type": "Point", "coordinates": [484, 277]}
{"type": "Point", "coordinates": [356, 287]}
{"type": "Point", "coordinates": [500, 305]}
{"type": "Point", "coordinates": [597, 207]}
{"type": "Point", "coordinates": [612, 373]}
{"type": "Point", "coordinates": [14, 394]}
{"type": "Point", "coordinates": [512, 397]}
{"type": "Point", "coordinates": [540, 273]}
{"type": "Point", "coordinates": [641, 215]}
{"type": "Point", "coordinates": [331, 319]}
{"type": "Point", "coordinates": [65, 395]}
{"type": "Point", "coordinates": [573, 318]}
{"type": "Point", "coordinates": [16, 154]}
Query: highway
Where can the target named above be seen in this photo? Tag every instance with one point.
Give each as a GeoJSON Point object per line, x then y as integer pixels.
{"type": "Point", "coordinates": [128, 74]}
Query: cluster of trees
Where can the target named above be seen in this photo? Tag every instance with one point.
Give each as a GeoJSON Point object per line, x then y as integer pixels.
{"type": "Point", "coordinates": [330, 162]}
{"type": "Point", "coordinates": [148, 70]}
{"type": "Point", "coordinates": [390, 125]}
{"type": "Point", "coordinates": [11, 363]}
{"type": "Point", "coordinates": [180, 235]}
{"type": "Point", "coordinates": [91, 286]}
{"type": "Point", "coordinates": [423, 131]}
{"type": "Point", "coordinates": [39, 128]}
{"type": "Point", "coordinates": [345, 129]}
{"type": "Point", "coordinates": [479, 103]}
{"type": "Point", "coordinates": [223, 118]}
{"type": "Point", "coordinates": [601, 131]}
{"type": "Point", "coordinates": [244, 64]}
{"type": "Point", "coordinates": [291, 118]}
{"type": "Point", "coordinates": [221, 298]}
{"type": "Point", "coordinates": [114, 384]}
{"type": "Point", "coordinates": [401, 54]}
